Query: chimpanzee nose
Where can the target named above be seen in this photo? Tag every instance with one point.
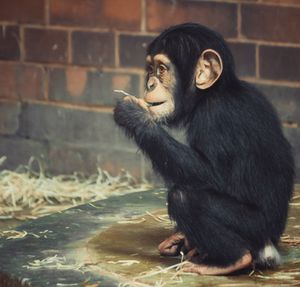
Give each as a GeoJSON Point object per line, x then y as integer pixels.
{"type": "Point", "coordinates": [151, 84]}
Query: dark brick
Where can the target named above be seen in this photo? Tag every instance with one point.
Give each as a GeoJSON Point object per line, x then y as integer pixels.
{"type": "Point", "coordinates": [133, 50]}
{"type": "Point", "coordinates": [18, 151]}
{"type": "Point", "coordinates": [116, 160]}
{"type": "Point", "coordinates": [58, 124]}
{"type": "Point", "coordinates": [30, 82]}
{"type": "Point", "coordinates": [67, 159]}
{"type": "Point", "coordinates": [293, 136]}
{"type": "Point", "coordinates": [79, 85]}
{"type": "Point", "coordinates": [244, 57]}
{"type": "Point", "coordinates": [91, 48]}
{"type": "Point", "coordinates": [9, 117]}
{"type": "Point", "coordinates": [43, 45]}
{"type": "Point", "coordinates": [285, 99]}
{"type": "Point", "coordinates": [279, 63]}
{"type": "Point", "coordinates": [219, 16]}
{"type": "Point", "coordinates": [118, 14]}
{"type": "Point", "coordinates": [271, 23]}
{"type": "Point", "coordinates": [9, 43]}
{"type": "Point", "coordinates": [24, 11]}
{"type": "Point", "coordinates": [21, 81]}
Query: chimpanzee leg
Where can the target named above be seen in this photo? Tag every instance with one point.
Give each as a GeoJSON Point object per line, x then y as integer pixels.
{"type": "Point", "coordinates": [218, 250]}
{"type": "Point", "coordinates": [225, 232]}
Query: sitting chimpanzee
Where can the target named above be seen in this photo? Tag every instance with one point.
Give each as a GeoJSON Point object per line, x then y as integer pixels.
{"type": "Point", "coordinates": [229, 188]}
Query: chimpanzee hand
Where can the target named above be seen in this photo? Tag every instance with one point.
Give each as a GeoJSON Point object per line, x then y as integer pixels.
{"type": "Point", "coordinates": [174, 244]}
{"type": "Point", "coordinates": [131, 114]}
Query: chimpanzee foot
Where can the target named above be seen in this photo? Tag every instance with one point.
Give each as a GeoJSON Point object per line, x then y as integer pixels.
{"type": "Point", "coordinates": [201, 269]}
{"type": "Point", "coordinates": [173, 245]}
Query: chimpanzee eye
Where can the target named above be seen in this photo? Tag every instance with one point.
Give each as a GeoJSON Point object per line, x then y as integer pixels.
{"type": "Point", "coordinates": [150, 70]}
{"type": "Point", "coordinates": [161, 69]}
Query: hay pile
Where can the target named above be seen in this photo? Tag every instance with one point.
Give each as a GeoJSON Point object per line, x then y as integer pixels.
{"type": "Point", "coordinates": [27, 194]}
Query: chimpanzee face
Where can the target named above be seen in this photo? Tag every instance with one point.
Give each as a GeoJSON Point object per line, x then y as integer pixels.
{"type": "Point", "coordinates": [160, 86]}
{"type": "Point", "coordinates": [162, 81]}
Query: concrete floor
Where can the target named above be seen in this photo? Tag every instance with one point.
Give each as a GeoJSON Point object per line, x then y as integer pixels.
{"type": "Point", "coordinates": [115, 240]}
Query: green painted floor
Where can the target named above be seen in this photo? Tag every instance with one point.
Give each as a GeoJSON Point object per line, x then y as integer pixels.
{"type": "Point", "coordinates": [114, 242]}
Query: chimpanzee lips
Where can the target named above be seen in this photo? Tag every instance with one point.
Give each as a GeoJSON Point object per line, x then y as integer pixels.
{"type": "Point", "coordinates": [155, 104]}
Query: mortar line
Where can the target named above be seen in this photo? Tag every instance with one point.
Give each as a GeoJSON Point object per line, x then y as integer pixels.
{"type": "Point", "coordinates": [22, 44]}
{"type": "Point", "coordinates": [69, 47]}
{"type": "Point", "coordinates": [143, 15]}
{"type": "Point", "coordinates": [239, 21]}
{"type": "Point", "coordinates": [257, 62]}
{"type": "Point", "coordinates": [117, 49]}
{"type": "Point", "coordinates": [47, 12]}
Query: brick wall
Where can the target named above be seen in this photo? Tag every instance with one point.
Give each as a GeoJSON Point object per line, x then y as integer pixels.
{"type": "Point", "coordinates": [61, 59]}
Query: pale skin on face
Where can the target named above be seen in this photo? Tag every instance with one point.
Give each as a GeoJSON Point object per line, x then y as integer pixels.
{"type": "Point", "coordinates": [160, 86]}
{"type": "Point", "coordinates": [158, 101]}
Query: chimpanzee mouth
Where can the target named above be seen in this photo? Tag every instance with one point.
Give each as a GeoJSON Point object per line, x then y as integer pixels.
{"type": "Point", "coordinates": [155, 104]}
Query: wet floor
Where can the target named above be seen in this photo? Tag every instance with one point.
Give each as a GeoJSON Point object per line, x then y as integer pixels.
{"type": "Point", "coordinates": [115, 240]}
{"type": "Point", "coordinates": [128, 251]}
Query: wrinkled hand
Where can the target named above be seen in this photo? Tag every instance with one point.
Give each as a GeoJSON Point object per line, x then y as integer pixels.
{"type": "Point", "coordinates": [131, 114]}
{"type": "Point", "coordinates": [139, 102]}
{"type": "Point", "coordinates": [174, 244]}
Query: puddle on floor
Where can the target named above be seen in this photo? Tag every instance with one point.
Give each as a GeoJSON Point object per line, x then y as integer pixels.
{"type": "Point", "coordinates": [128, 251]}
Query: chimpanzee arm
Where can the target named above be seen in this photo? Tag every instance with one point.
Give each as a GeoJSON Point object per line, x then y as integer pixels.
{"type": "Point", "coordinates": [175, 161]}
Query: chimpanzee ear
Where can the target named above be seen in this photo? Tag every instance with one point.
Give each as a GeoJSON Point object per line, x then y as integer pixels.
{"type": "Point", "coordinates": [209, 69]}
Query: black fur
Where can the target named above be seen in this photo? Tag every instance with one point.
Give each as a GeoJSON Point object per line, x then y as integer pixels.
{"type": "Point", "coordinates": [229, 188]}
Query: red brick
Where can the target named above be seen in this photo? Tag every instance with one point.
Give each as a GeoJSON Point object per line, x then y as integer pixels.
{"type": "Point", "coordinates": [77, 13]}
{"type": "Point", "coordinates": [21, 82]}
{"type": "Point", "coordinates": [43, 45]}
{"type": "Point", "coordinates": [295, 2]}
{"type": "Point", "coordinates": [91, 48]}
{"type": "Point", "coordinates": [9, 43]}
{"type": "Point", "coordinates": [97, 13]}
{"type": "Point", "coordinates": [7, 81]}
{"type": "Point", "coordinates": [24, 11]}
{"type": "Point", "coordinates": [121, 14]}
{"type": "Point", "coordinates": [279, 63]}
{"type": "Point", "coordinates": [219, 16]}
{"type": "Point", "coordinates": [271, 23]}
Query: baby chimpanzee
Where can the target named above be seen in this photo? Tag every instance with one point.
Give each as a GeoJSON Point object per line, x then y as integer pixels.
{"type": "Point", "coordinates": [229, 188]}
